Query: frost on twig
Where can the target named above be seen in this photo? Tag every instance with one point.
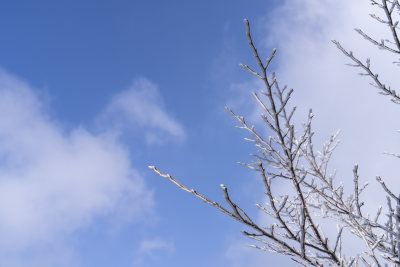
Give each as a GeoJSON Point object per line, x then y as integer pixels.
{"type": "Point", "coordinates": [288, 154]}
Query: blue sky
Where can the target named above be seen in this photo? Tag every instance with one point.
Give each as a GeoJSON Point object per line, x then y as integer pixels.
{"type": "Point", "coordinates": [92, 92]}
{"type": "Point", "coordinates": [76, 59]}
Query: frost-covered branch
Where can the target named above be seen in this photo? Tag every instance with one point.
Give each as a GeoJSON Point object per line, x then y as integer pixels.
{"type": "Point", "coordinates": [288, 155]}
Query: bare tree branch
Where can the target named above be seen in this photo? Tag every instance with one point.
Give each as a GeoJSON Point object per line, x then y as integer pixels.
{"type": "Point", "coordinates": [288, 155]}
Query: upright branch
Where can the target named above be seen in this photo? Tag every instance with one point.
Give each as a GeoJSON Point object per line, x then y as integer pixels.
{"type": "Point", "coordinates": [287, 156]}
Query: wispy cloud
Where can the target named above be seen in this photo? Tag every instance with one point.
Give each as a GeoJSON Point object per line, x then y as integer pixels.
{"type": "Point", "coordinates": [142, 107]}
{"type": "Point", "coordinates": [55, 181]}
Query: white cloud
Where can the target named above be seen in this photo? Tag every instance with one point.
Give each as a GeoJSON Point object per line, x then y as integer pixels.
{"type": "Point", "coordinates": [341, 99]}
{"type": "Point", "coordinates": [308, 61]}
{"type": "Point", "coordinates": [53, 181]}
{"type": "Point", "coordinates": [141, 106]}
